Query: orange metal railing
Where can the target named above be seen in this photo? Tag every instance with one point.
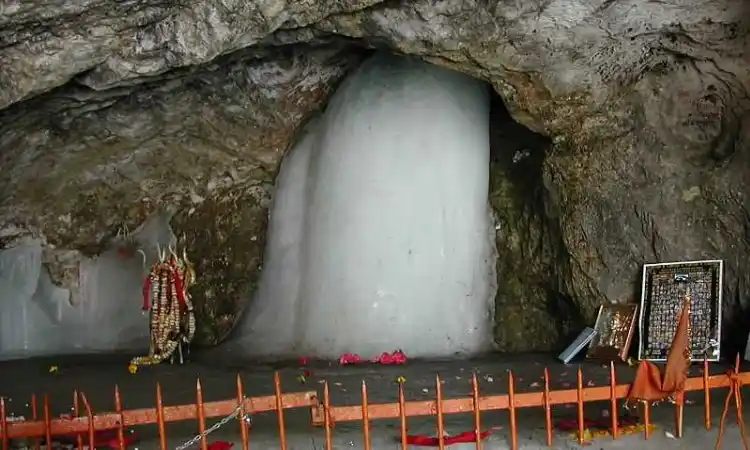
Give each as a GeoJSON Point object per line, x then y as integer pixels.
{"type": "Point", "coordinates": [84, 426]}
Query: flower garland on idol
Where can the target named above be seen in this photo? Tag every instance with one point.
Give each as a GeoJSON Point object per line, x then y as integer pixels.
{"type": "Point", "coordinates": [166, 299]}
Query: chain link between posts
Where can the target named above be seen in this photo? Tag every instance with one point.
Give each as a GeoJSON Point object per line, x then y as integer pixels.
{"type": "Point", "coordinates": [246, 419]}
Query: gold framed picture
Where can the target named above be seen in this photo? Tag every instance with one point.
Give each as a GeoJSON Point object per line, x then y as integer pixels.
{"type": "Point", "coordinates": [614, 329]}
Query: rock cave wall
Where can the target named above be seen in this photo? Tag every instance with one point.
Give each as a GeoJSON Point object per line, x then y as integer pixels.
{"type": "Point", "coordinates": [191, 108]}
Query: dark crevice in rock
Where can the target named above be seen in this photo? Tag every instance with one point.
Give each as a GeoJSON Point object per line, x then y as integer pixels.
{"type": "Point", "coordinates": [533, 310]}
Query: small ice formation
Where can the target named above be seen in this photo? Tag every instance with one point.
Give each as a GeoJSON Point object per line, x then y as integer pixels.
{"type": "Point", "coordinates": [380, 236]}
{"type": "Point", "coordinates": [37, 317]}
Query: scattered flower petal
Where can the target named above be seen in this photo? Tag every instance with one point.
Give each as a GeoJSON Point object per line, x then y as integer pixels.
{"type": "Point", "coordinates": [220, 445]}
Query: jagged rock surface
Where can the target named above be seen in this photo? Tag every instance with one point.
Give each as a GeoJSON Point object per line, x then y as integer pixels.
{"type": "Point", "coordinates": [122, 107]}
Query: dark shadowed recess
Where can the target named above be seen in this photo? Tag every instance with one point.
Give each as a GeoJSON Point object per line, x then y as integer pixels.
{"type": "Point", "coordinates": [532, 257]}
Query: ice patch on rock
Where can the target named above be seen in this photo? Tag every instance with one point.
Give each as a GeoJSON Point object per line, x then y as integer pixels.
{"type": "Point", "coordinates": [380, 235]}
{"type": "Point", "coordinates": [38, 319]}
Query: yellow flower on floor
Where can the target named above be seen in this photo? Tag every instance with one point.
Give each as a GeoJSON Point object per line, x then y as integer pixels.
{"type": "Point", "coordinates": [132, 368]}
{"type": "Point", "coordinates": [53, 369]}
{"type": "Point", "coordinates": [589, 435]}
{"type": "Point", "coordinates": [401, 379]}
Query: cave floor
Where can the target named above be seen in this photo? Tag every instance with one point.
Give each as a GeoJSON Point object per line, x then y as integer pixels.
{"type": "Point", "coordinates": [96, 376]}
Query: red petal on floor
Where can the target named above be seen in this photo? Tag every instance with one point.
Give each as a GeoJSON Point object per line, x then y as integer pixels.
{"type": "Point", "coordinates": [461, 438]}
{"type": "Point", "coordinates": [220, 445]}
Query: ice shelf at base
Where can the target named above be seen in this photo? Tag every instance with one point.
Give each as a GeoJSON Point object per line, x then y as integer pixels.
{"type": "Point", "coordinates": [380, 236]}
{"type": "Point", "coordinates": [38, 318]}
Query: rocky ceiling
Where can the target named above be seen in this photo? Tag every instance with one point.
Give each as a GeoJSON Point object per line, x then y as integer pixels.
{"type": "Point", "coordinates": [112, 110]}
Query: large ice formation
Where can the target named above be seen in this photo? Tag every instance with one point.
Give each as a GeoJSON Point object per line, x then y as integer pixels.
{"type": "Point", "coordinates": [380, 235]}
{"type": "Point", "coordinates": [38, 318]}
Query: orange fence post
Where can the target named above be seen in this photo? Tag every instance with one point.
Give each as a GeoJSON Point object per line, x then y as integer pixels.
{"type": "Point", "coordinates": [646, 420]}
{"type": "Point", "coordinates": [35, 417]}
{"type": "Point", "coordinates": [547, 409]}
{"type": "Point", "coordinates": [679, 411]}
{"type": "Point", "coordinates": [735, 390]}
{"type": "Point", "coordinates": [613, 401]}
{"type": "Point", "coordinates": [90, 417]}
{"type": "Point", "coordinates": [365, 416]}
{"type": "Point", "coordinates": [512, 411]}
{"type": "Point", "coordinates": [77, 413]}
{"type": "Point", "coordinates": [47, 422]}
{"type": "Point", "coordinates": [706, 395]}
{"type": "Point", "coordinates": [201, 412]}
{"type": "Point", "coordinates": [439, 412]}
{"type": "Point", "coordinates": [160, 424]}
{"type": "Point", "coordinates": [279, 409]}
{"type": "Point", "coordinates": [477, 410]}
{"type": "Point", "coordinates": [402, 415]}
{"type": "Point", "coordinates": [327, 416]}
{"type": "Point", "coordinates": [244, 432]}
{"type": "Point", "coordinates": [579, 395]}
{"type": "Point", "coordinates": [121, 421]}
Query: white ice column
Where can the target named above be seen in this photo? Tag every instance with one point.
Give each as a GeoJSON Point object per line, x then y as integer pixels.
{"type": "Point", "coordinates": [268, 327]}
{"type": "Point", "coordinates": [396, 247]}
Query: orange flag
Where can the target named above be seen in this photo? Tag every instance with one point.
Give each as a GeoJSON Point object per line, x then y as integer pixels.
{"type": "Point", "coordinates": [649, 385]}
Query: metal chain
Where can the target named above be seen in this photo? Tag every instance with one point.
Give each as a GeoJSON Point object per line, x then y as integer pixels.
{"type": "Point", "coordinates": [247, 419]}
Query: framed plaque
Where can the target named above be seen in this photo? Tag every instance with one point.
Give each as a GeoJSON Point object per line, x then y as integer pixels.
{"type": "Point", "coordinates": [615, 326]}
{"type": "Point", "coordinates": [665, 286]}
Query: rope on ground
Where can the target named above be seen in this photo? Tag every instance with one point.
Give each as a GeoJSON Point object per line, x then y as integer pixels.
{"type": "Point", "coordinates": [735, 390]}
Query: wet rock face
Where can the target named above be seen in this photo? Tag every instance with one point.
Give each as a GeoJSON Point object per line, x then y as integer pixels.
{"type": "Point", "coordinates": [226, 235]}
{"type": "Point", "coordinates": [115, 109]}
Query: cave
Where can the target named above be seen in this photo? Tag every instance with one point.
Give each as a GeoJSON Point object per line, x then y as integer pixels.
{"type": "Point", "coordinates": [612, 140]}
